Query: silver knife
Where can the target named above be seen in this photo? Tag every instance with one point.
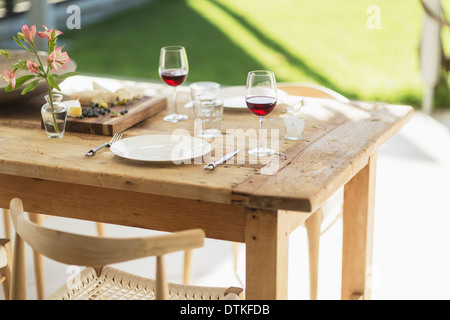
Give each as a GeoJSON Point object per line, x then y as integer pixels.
{"type": "Point", "coordinates": [212, 165]}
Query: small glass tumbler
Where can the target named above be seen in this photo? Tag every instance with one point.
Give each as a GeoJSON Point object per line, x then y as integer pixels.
{"type": "Point", "coordinates": [208, 118]}
{"type": "Point", "coordinates": [294, 123]}
{"type": "Point", "coordinates": [204, 90]}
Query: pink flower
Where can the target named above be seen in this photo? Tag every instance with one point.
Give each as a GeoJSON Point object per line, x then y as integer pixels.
{"type": "Point", "coordinates": [29, 33]}
{"type": "Point", "coordinates": [49, 34]}
{"type": "Point", "coordinates": [32, 67]}
{"type": "Point", "coordinates": [58, 59]}
{"type": "Point", "coordinates": [10, 77]}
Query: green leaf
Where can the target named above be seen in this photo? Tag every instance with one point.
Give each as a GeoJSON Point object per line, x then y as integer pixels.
{"type": "Point", "coordinates": [21, 64]}
{"type": "Point", "coordinates": [52, 82]}
{"type": "Point", "coordinates": [21, 44]}
{"type": "Point", "coordinates": [65, 75]}
{"type": "Point", "coordinates": [21, 37]}
{"type": "Point", "coordinates": [51, 46]}
{"type": "Point", "coordinates": [31, 86]}
{"type": "Point", "coordinates": [5, 53]}
{"type": "Point", "coordinates": [19, 82]}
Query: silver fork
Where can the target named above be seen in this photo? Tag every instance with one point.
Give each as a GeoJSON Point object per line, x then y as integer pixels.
{"type": "Point", "coordinates": [115, 138]}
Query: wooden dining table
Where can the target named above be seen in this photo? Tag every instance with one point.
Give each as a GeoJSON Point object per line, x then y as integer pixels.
{"type": "Point", "coordinates": [255, 201]}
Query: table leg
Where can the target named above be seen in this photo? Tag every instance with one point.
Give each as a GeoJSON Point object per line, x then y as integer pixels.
{"type": "Point", "coordinates": [266, 238]}
{"type": "Point", "coordinates": [358, 211]}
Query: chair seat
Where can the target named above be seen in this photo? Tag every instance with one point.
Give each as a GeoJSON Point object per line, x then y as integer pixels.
{"type": "Point", "coordinates": [114, 284]}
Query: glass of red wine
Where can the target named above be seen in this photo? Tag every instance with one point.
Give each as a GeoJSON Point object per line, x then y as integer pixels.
{"type": "Point", "coordinates": [173, 70]}
{"type": "Point", "coordinates": [261, 99]}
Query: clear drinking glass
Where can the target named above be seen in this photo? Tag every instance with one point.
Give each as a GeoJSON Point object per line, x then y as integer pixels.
{"type": "Point", "coordinates": [173, 70]}
{"type": "Point", "coordinates": [204, 90]}
{"type": "Point", "coordinates": [294, 124]}
{"type": "Point", "coordinates": [261, 99]}
{"type": "Point", "coordinates": [208, 117]}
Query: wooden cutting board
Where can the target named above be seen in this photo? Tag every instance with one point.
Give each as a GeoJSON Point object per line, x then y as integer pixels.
{"type": "Point", "coordinates": [138, 110]}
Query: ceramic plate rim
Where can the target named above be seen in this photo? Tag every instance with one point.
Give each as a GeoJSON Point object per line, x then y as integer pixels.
{"type": "Point", "coordinates": [231, 93]}
{"type": "Point", "coordinates": [206, 148]}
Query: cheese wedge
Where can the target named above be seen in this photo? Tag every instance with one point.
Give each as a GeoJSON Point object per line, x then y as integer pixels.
{"type": "Point", "coordinates": [98, 87]}
{"type": "Point", "coordinates": [73, 108]}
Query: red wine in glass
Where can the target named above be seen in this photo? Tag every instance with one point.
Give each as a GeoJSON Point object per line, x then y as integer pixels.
{"type": "Point", "coordinates": [174, 77]}
{"type": "Point", "coordinates": [173, 70]}
{"type": "Point", "coordinates": [260, 105]}
{"type": "Point", "coordinates": [261, 99]}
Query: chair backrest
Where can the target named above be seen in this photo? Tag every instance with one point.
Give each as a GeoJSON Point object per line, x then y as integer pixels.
{"type": "Point", "coordinates": [5, 266]}
{"type": "Point", "coordinates": [310, 90]}
{"type": "Point", "coordinates": [96, 252]}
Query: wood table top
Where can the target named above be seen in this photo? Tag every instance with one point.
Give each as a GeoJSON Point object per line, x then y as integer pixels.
{"type": "Point", "coordinates": [338, 139]}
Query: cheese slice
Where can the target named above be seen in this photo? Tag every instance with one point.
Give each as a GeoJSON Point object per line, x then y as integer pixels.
{"type": "Point", "coordinates": [73, 108]}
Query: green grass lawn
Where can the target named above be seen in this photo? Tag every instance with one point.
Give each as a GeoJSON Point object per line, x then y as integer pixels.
{"type": "Point", "coordinates": [327, 42]}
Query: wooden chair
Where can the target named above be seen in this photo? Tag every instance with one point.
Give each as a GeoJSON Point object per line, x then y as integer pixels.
{"type": "Point", "coordinates": [38, 259]}
{"type": "Point", "coordinates": [310, 90]}
{"type": "Point", "coordinates": [5, 266]}
{"type": "Point", "coordinates": [97, 280]}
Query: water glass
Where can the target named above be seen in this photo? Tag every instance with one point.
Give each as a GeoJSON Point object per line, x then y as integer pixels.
{"type": "Point", "coordinates": [204, 90]}
{"type": "Point", "coordinates": [294, 123]}
{"type": "Point", "coordinates": [208, 117]}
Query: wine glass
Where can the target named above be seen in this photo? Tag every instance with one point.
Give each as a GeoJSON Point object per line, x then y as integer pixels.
{"type": "Point", "coordinates": [173, 70]}
{"type": "Point", "coordinates": [261, 99]}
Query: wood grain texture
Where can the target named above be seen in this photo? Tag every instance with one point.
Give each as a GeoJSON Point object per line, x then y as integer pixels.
{"type": "Point", "coordinates": [267, 241]}
{"type": "Point", "coordinates": [358, 227]}
{"type": "Point", "coordinates": [138, 111]}
{"type": "Point", "coordinates": [220, 221]}
{"type": "Point", "coordinates": [76, 249]}
{"type": "Point", "coordinates": [6, 267]}
{"type": "Point", "coordinates": [339, 145]}
{"type": "Point", "coordinates": [338, 140]}
{"type": "Point", "coordinates": [313, 170]}
{"type": "Point", "coordinates": [313, 230]}
{"type": "Point", "coordinates": [30, 153]}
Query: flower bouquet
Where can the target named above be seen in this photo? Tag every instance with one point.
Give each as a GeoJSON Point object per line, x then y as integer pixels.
{"type": "Point", "coordinates": [38, 70]}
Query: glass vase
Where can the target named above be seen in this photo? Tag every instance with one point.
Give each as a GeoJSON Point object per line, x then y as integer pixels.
{"type": "Point", "coordinates": [54, 118]}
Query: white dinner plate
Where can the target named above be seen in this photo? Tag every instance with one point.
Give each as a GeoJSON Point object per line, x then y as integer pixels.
{"type": "Point", "coordinates": [162, 148]}
{"type": "Point", "coordinates": [234, 98]}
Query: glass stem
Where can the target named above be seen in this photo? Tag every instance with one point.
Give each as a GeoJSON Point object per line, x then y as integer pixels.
{"type": "Point", "coordinates": [175, 100]}
{"type": "Point", "coordinates": [260, 127]}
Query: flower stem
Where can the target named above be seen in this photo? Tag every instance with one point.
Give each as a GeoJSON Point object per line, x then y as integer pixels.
{"type": "Point", "coordinates": [45, 75]}
{"type": "Point", "coordinates": [50, 96]}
